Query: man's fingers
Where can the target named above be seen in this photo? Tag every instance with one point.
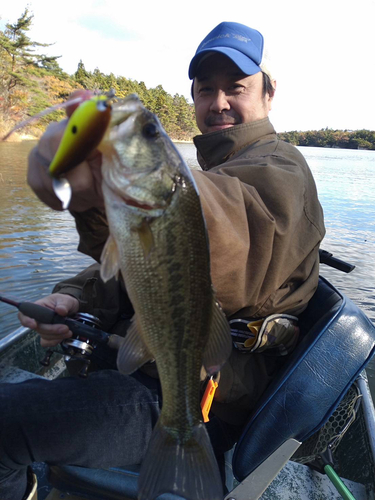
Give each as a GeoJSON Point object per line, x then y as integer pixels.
{"type": "Point", "coordinates": [27, 322]}
{"type": "Point", "coordinates": [51, 335]}
{"type": "Point", "coordinates": [51, 343]}
{"type": "Point", "coordinates": [50, 332]}
{"type": "Point", "coordinates": [45, 330]}
{"type": "Point", "coordinates": [62, 309]}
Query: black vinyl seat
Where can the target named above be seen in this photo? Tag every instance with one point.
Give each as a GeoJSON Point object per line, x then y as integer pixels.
{"type": "Point", "coordinates": [338, 341]}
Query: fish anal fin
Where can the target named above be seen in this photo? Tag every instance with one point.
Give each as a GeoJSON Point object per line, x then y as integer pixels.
{"type": "Point", "coordinates": [133, 352]}
{"type": "Point", "coordinates": [219, 344]}
{"type": "Point", "coordinates": [188, 469]}
{"type": "Point", "coordinates": [110, 260]}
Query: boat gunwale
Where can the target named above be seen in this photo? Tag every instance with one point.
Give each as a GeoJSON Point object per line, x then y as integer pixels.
{"type": "Point", "coordinates": [13, 337]}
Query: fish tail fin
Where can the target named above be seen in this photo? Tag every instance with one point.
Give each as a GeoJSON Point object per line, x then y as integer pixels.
{"type": "Point", "coordinates": [186, 469]}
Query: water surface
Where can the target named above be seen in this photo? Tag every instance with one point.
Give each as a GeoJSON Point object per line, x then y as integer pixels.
{"type": "Point", "coordinates": [38, 245]}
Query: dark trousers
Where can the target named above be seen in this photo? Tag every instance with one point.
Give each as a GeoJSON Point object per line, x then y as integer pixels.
{"type": "Point", "coordinates": [103, 421]}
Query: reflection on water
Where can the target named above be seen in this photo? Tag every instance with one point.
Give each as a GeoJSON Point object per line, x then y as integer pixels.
{"type": "Point", "coordinates": [346, 186]}
{"type": "Point", "coordinates": [38, 245]}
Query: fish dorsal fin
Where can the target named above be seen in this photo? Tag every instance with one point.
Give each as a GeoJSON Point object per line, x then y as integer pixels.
{"type": "Point", "coordinates": [110, 260]}
{"type": "Point", "coordinates": [219, 344]}
{"type": "Point", "coordinates": [133, 352]}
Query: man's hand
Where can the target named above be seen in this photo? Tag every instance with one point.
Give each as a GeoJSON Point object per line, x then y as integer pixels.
{"type": "Point", "coordinates": [51, 335]}
{"type": "Point", "coordinates": [85, 179]}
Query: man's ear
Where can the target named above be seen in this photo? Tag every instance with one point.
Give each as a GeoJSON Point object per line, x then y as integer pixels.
{"type": "Point", "coordinates": [273, 83]}
{"type": "Point", "coordinates": [271, 95]}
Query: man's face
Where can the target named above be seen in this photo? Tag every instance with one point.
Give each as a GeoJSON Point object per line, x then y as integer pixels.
{"type": "Point", "coordinates": [224, 96]}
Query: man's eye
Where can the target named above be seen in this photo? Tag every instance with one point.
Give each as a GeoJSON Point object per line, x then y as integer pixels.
{"type": "Point", "coordinates": [205, 90]}
{"type": "Point", "coordinates": [235, 89]}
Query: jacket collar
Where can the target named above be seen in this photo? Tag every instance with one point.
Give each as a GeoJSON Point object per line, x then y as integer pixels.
{"type": "Point", "coordinates": [217, 147]}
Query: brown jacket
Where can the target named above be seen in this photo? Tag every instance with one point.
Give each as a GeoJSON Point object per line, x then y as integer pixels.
{"type": "Point", "coordinates": [264, 220]}
{"type": "Point", "coordinates": [265, 224]}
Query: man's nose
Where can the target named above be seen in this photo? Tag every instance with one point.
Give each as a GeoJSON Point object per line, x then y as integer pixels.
{"type": "Point", "coordinates": [219, 102]}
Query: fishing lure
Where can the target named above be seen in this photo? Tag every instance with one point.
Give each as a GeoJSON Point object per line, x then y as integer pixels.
{"type": "Point", "coordinates": [84, 132]}
{"type": "Point", "coordinates": [86, 128]}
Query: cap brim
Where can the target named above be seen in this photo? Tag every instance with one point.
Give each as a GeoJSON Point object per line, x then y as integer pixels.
{"type": "Point", "coordinates": [245, 64]}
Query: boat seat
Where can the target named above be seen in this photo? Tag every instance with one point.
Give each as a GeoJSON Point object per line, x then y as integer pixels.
{"type": "Point", "coordinates": [337, 341]}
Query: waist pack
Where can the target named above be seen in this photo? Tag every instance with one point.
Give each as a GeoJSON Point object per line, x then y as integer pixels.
{"type": "Point", "coordinates": [277, 334]}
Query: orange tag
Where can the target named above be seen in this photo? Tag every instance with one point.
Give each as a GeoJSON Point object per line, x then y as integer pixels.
{"type": "Point", "coordinates": [207, 398]}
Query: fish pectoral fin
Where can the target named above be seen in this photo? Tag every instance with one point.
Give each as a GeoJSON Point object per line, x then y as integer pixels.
{"type": "Point", "coordinates": [110, 260]}
{"type": "Point", "coordinates": [146, 237]}
{"type": "Point", "coordinates": [133, 352]}
{"type": "Point", "coordinates": [219, 344]}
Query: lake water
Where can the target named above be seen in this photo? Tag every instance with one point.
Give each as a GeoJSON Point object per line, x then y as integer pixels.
{"type": "Point", "coordinates": [38, 245]}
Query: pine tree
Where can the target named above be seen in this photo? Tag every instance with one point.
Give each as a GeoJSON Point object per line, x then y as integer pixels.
{"type": "Point", "coordinates": [19, 59]}
{"type": "Point", "coordinates": [83, 77]}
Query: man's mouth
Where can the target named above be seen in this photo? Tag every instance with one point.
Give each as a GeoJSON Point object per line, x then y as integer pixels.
{"type": "Point", "coordinates": [221, 126]}
{"type": "Point", "coordinates": [215, 123]}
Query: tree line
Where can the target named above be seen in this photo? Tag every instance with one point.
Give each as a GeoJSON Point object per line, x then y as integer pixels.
{"type": "Point", "coordinates": [345, 139]}
{"type": "Point", "coordinates": [30, 82]}
{"type": "Point", "coordinates": [175, 113]}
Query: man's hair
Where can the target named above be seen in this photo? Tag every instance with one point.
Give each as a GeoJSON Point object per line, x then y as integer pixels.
{"type": "Point", "coordinates": [267, 88]}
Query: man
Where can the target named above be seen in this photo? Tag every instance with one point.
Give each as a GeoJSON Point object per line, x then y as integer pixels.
{"type": "Point", "coordinates": [265, 225]}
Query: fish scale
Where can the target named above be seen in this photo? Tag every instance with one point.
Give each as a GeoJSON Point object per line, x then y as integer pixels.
{"type": "Point", "coordinates": [147, 291]}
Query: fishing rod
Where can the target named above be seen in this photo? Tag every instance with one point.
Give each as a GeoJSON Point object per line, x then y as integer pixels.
{"type": "Point", "coordinates": [45, 315]}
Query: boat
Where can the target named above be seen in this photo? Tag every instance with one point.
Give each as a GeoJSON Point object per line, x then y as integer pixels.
{"type": "Point", "coordinates": [311, 436]}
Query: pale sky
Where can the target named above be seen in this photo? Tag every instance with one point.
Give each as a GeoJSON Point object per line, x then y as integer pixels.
{"type": "Point", "coordinates": [322, 50]}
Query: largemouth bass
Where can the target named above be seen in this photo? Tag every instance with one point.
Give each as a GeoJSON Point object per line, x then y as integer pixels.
{"type": "Point", "coordinates": [158, 241]}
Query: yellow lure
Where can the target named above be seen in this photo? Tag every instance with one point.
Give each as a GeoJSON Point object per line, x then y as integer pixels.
{"type": "Point", "coordinates": [85, 130]}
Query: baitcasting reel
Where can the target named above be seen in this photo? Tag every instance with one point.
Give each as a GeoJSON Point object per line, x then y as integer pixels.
{"type": "Point", "coordinates": [78, 347]}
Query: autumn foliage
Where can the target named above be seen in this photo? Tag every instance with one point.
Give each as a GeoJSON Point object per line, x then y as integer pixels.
{"type": "Point", "coordinates": [31, 82]}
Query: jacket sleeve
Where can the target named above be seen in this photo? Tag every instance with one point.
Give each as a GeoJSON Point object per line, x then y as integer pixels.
{"type": "Point", "coordinates": [107, 301]}
{"type": "Point", "coordinates": [93, 231]}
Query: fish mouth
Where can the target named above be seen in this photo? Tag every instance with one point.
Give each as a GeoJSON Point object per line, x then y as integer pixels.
{"type": "Point", "coordinates": [132, 202]}
{"type": "Point", "coordinates": [135, 202]}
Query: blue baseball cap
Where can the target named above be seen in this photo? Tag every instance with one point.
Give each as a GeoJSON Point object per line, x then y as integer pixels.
{"type": "Point", "coordinates": [243, 45]}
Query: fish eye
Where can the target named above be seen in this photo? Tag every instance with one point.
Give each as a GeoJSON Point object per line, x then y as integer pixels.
{"type": "Point", "coordinates": [74, 129]}
{"type": "Point", "coordinates": [150, 131]}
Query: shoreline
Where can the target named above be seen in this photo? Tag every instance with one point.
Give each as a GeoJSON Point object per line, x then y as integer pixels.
{"type": "Point", "coordinates": [17, 137]}
{"type": "Point", "coordinates": [27, 137]}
